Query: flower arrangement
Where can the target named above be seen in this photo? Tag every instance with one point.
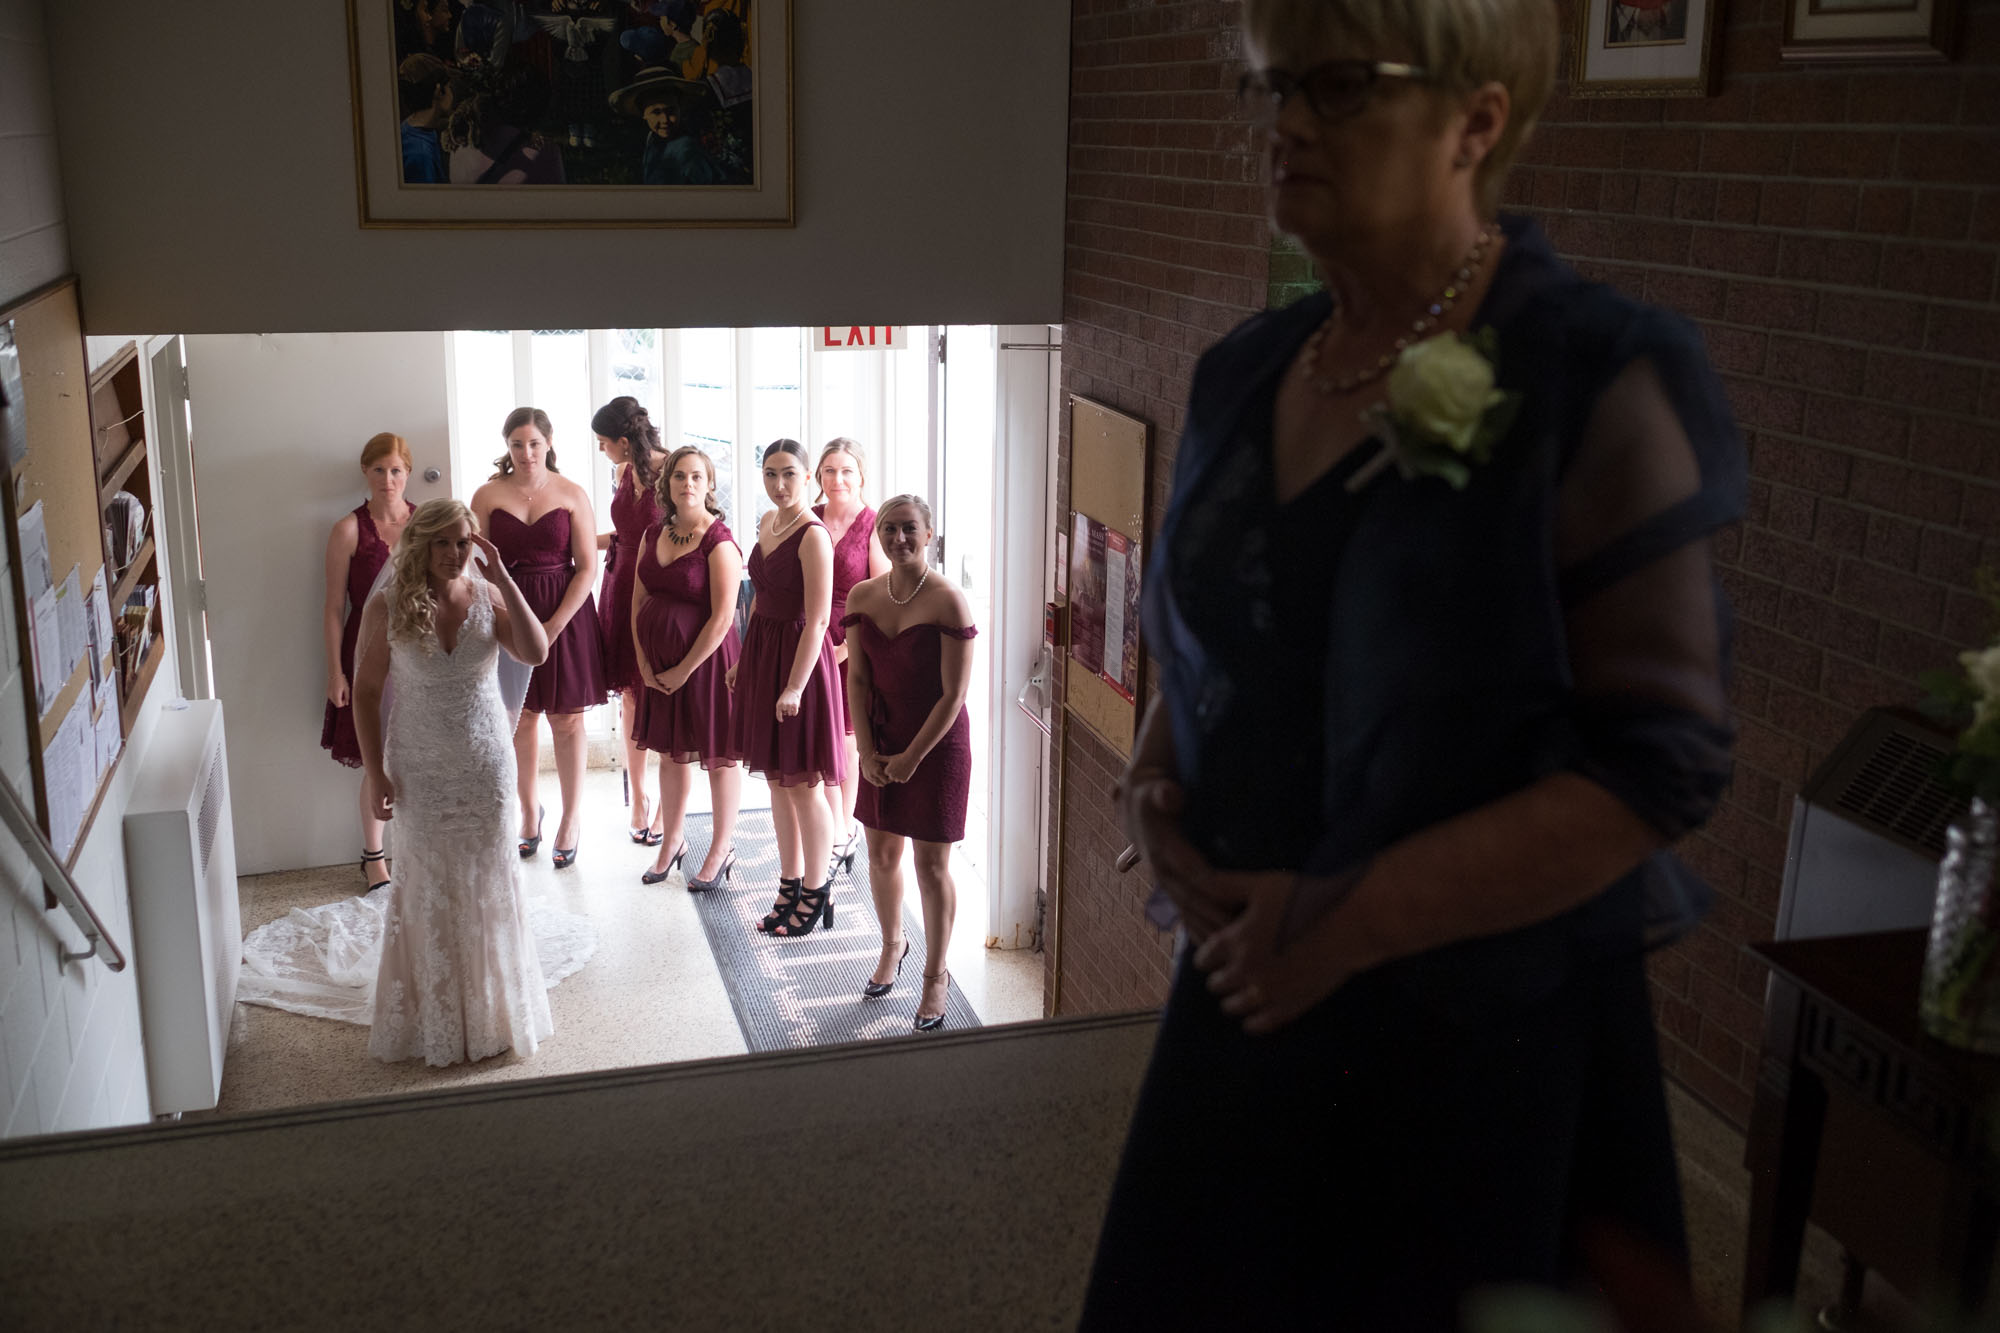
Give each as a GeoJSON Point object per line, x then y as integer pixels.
{"type": "Point", "coordinates": [1968, 701]}
{"type": "Point", "coordinates": [1443, 413]}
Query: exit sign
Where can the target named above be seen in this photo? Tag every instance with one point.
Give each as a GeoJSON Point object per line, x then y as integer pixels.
{"type": "Point", "coordinates": [860, 337]}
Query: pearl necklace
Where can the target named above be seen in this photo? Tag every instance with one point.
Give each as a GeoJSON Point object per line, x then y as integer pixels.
{"type": "Point", "coordinates": [1433, 313]}
{"type": "Point", "coordinates": [779, 532]}
{"type": "Point", "coordinates": [890, 587]}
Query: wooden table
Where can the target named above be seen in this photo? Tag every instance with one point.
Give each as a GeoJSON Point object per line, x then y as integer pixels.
{"type": "Point", "coordinates": [1841, 1031]}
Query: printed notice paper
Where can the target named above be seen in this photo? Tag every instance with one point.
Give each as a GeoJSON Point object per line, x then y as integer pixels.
{"type": "Point", "coordinates": [37, 575]}
{"type": "Point", "coordinates": [45, 637]}
{"type": "Point", "coordinates": [69, 765]}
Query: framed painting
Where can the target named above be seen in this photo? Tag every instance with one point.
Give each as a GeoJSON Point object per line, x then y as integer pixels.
{"type": "Point", "coordinates": [1879, 30]}
{"type": "Point", "coordinates": [572, 113]}
{"type": "Point", "coordinates": [1645, 48]}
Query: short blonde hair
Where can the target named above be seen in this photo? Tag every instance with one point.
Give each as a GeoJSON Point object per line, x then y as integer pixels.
{"type": "Point", "coordinates": [1463, 43]}
{"type": "Point", "coordinates": [381, 446]}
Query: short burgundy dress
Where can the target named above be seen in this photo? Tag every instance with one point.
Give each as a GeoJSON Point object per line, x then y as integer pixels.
{"type": "Point", "coordinates": [336, 733]}
{"type": "Point", "coordinates": [907, 682]}
{"type": "Point", "coordinates": [691, 725]}
{"type": "Point", "coordinates": [850, 566]}
{"type": "Point", "coordinates": [537, 555]}
{"type": "Point", "coordinates": [633, 511]}
{"type": "Point", "coordinates": [806, 748]}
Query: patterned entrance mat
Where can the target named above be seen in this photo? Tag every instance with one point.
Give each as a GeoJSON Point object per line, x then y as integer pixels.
{"type": "Point", "coordinates": [790, 993]}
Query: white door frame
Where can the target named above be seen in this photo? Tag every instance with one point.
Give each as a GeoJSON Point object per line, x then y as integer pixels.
{"type": "Point", "coordinates": [170, 413]}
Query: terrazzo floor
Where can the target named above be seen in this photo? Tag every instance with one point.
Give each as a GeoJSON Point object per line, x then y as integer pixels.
{"type": "Point", "coordinates": [650, 995]}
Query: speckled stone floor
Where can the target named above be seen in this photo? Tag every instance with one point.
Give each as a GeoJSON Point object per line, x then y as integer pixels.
{"type": "Point", "coordinates": [651, 995]}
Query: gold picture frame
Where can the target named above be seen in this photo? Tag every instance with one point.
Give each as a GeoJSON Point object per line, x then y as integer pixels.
{"type": "Point", "coordinates": [594, 116]}
{"type": "Point", "coordinates": [1646, 48]}
{"type": "Point", "coordinates": [1852, 31]}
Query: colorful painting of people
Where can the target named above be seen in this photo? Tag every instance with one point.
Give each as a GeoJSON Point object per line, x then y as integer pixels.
{"type": "Point", "coordinates": [587, 92]}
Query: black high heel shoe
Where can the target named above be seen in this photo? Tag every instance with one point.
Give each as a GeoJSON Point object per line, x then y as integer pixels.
{"type": "Point", "coordinates": [721, 875]}
{"type": "Point", "coordinates": [643, 833]}
{"type": "Point", "coordinates": [528, 846]}
{"type": "Point", "coordinates": [788, 898]}
{"type": "Point", "coordinates": [369, 859]}
{"type": "Point", "coordinates": [655, 876]}
{"type": "Point", "coordinates": [932, 1022]}
{"type": "Point", "coordinates": [811, 906]}
{"type": "Point", "coordinates": [843, 855]}
{"type": "Point", "coordinates": [875, 990]}
{"type": "Point", "coordinates": [564, 858]}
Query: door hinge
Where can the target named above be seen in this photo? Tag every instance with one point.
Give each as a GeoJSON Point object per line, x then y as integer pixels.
{"type": "Point", "coordinates": [940, 349]}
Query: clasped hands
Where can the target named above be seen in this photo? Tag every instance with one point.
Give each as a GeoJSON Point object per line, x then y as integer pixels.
{"type": "Point", "coordinates": [881, 770]}
{"type": "Point", "coordinates": [1263, 964]}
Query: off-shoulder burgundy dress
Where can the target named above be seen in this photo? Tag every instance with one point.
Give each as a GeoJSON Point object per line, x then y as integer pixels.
{"type": "Point", "coordinates": [850, 566]}
{"type": "Point", "coordinates": [336, 733]}
{"type": "Point", "coordinates": [537, 555]}
{"type": "Point", "coordinates": [906, 682]}
{"type": "Point", "coordinates": [691, 725]}
{"type": "Point", "coordinates": [807, 748]}
{"type": "Point", "coordinates": [633, 512]}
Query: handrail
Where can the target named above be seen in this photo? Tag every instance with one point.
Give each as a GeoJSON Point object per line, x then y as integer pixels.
{"type": "Point", "coordinates": [29, 834]}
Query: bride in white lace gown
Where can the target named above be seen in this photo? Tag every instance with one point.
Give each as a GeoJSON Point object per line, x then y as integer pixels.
{"type": "Point", "coordinates": [459, 977]}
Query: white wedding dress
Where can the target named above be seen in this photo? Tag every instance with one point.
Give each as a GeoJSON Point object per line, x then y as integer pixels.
{"type": "Point", "coordinates": [450, 962]}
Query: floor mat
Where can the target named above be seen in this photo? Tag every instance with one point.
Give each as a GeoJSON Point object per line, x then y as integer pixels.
{"type": "Point", "coordinates": [806, 991]}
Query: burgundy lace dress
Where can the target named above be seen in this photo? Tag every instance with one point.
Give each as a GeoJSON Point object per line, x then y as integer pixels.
{"type": "Point", "coordinates": [850, 566]}
{"type": "Point", "coordinates": [537, 555]}
{"type": "Point", "coordinates": [906, 681]}
{"type": "Point", "coordinates": [336, 733]}
{"type": "Point", "coordinates": [807, 748]}
{"type": "Point", "coordinates": [691, 725]}
{"type": "Point", "coordinates": [633, 513]}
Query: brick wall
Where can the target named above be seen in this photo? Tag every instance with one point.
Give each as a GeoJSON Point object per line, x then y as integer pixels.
{"type": "Point", "coordinates": [1166, 250]}
{"type": "Point", "coordinates": [1835, 232]}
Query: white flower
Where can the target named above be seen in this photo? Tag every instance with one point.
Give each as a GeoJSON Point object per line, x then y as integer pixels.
{"type": "Point", "coordinates": [1443, 386]}
{"type": "Point", "coordinates": [1982, 668]}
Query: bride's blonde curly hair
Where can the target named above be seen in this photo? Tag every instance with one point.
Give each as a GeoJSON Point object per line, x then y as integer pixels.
{"type": "Point", "coordinates": [412, 608]}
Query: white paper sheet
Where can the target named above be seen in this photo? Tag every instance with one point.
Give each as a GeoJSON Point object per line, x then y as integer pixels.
{"type": "Point", "coordinates": [73, 622]}
{"type": "Point", "coordinates": [107, 740]}
{"type": "Point", "coordinates": [100, 623]}
{"type": "Point", "coordinates": [37, 574]}
{"type": "Point", "coordinates": [45, 638]}
{"type": "Point", "coordinates": [69, 765]}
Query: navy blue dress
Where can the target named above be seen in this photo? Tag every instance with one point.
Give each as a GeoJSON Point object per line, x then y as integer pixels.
{"type": "Point", "coordinates": [1454, 1118]}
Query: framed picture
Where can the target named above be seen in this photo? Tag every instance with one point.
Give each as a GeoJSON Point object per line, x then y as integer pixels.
{"type": "Point", "coordinates": [1645, 48]}
{"type": "Point", "coordinates": [572, 113]}
{"type": "Point", "coordinates": [1883, 30]}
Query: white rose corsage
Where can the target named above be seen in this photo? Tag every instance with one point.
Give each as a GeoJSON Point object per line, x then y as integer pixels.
{"type": "Point", "coordinates": [1443, 413]}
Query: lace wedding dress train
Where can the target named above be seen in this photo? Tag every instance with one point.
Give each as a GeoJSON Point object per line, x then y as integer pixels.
{"type": "Point", "coordinates": [450, 962]}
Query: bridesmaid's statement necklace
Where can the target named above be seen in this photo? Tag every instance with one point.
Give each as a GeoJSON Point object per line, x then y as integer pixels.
{"type": "Point", "coordinates": [674, 535]}
{"type": "Point", "coordinates": [905, 601]}
{"type": "Point", "coordinates": [1434, 311]}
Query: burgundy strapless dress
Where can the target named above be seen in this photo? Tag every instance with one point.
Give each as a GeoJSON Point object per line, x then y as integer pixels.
{"type": "Point", "coordinates": [807, 748]}
{"type": "Point", "coordinates": [336, 733]}
{"type": "Point", "coordinates": [691, 725]}
{"type": "Point", "coordinates": [850, 566]}
{"type": "Point", "coordinates": [633, 511]}
{"type": "Point", "coordinates": [537, 555]}
{"type": "Point", "coordinates": [908, 681]}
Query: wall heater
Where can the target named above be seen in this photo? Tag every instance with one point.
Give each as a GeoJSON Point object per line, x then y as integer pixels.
{"type": "Point", "coordinates": [187, 937]}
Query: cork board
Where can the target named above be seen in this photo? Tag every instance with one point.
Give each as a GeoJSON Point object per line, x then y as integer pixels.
{"type": "Point", "coordinates": [59, 473]}
{"type": "Point", "coordinates": [1109, 480]}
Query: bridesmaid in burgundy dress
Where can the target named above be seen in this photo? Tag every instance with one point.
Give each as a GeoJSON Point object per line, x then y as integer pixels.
{"type": "Point", "coordinates": [787, 718]}
{"type": "Point", "coordinates": [627, 436]}
{"type": "Point", "coordinates": [857, 555]}
{"type": "Point", "coordinates": [542, 523]}
{"type": "Point", "coordinates": [355, 554]}
{"type": "Point", "coordinates": [907, 678]}
{"type": "Point", "coordinates": [684, 623]}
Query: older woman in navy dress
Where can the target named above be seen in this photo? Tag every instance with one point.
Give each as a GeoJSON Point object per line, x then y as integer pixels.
{"type": "Point", "coordinates": [1442, 674]}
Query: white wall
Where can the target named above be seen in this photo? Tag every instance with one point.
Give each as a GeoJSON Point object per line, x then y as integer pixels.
{"type": "Point", "coordinates": [209, 171]}
{"type": "Point", "coordinates": [279, 421]}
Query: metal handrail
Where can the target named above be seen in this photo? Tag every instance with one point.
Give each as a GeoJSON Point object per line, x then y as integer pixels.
{"type": "Point", "coordinates": [29, 834]}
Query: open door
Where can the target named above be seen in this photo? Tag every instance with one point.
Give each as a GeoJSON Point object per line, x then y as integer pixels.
{"type": "Point", "coordinates": [177, 525]}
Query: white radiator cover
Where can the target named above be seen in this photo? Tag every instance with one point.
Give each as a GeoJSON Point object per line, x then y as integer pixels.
{"type": "Point", "coordinates": [187, 935]}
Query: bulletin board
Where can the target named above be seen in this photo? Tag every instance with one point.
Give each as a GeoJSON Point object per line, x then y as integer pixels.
{"type": "Point", "coordinates": [50, 504]}
{"type": "Point", "coordinates": [1110, 467]}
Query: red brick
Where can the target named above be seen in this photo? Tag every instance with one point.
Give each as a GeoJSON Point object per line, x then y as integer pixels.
{"type": "Point", "coordinates": [1794, 564]}
{"type": "Point", "coordinates": [1851, 263]}
{"type": "Point", "coordinates": [1790, 513]}
{"type": "Point", "coordinates": [1694, 198]}
{"type": "Point", "coordinates": [1739, 199]}
{"type": "Point", "coordinates": [1981, 511]}
{"type": "Point", "coordinates": [1968, 618]}
{"type": "Point", "coordinates": [1728, 1097]}
{"type": "Point", "coordinates": [1745, 152]}
{"type": "Point", "coordinates": [1907, 654]}
{"type": "Point", "coordinates": [1660, 150]}
{"type": "Point", "coordinates": [1857, 425]}
{"type": "Point", "coordinates": [1805, 98]}
{"type": "Point", "coordinates": [1900, 598]}
{"type": "Point", "coordinates": [1810, 467]}
{"type": "Point", "coordinates": [1937, 270]}
{"type": "Point", "coordinates": [1815, 364]}
{"type": "Point", "coordinates": [1583, 190]}
{"type": "Point", "coordinates": [1840, 528]}
{"type": "Point", "coordinates": [1758, 404]}
{"type": "Point", "coordinates": [1863, 687]}
{"type": "Point", "coordinates": [1782, 756]}
{"type": "Point", "coordinates": [1986, 218]}
{"type": "Point", "coordinates": [1927, 98]}
{"type": "Point", "coordinates": [1820, 724]}
{"type": "Point", "coordinates": [1783, 204]}
{"type": "Point", "coordinates": [1829, 625]}
{"type": "Point", "coordinates": [1756, 599]}
{"type": "Point", "coordinates": [1964, 331]}
{"type": "Point", "coordinates": [1968, 447]}
{"type": "Point", "coordinates": [1885, 209]}
{"type": "Point", "coordinates": [1734, 351]}
{"type": "Point", "coordinates": [1871, 319]}
{"type": "Point", "coordinates": [1958, 157]}
{"type": "Point", "coordinates": [1729, 250]}
{"type": "Point", "coordinates": [1922, 382]}
{"type": "Point", "coordinates": [1942, 215]}
{"type": "Point", "coordinates": [1832, 207]}
{"type": "Point", "coordinates": [1620, 191]}
{"type": "Point", "coordinates": [1911, 492]}
{"type": "Point", "coordinates": [1893, 542]}
{"type": "Point", "coordinates": [1696, 295]}
{"type": "Point", "coordinates": [1771, 306]}
{"type": "Point", "coordinates": [1852, 156]}
{"type": "Point", "coordinates": [1655, 196]}
{"type": "Point", "coordinates": [1723, 1051]}
{"type": "Point", "coordinates": [1667, 972]}
{"type": "Point", "coordinates": [1752, 977]}
{"type": "Point", "coordinates": [1785, 658]}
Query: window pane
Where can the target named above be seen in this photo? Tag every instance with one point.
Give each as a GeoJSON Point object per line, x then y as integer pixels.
{"type": "Point", "coordinates": [483, 395]}
{"type": "Point", "coordinates": [708, 404]}
{"type": "Point", "coordinates": [561, 362]}
{"type": "Point", "coordinates": [635, 368]}
{"type": "Point", "coordinates": [775, 398]}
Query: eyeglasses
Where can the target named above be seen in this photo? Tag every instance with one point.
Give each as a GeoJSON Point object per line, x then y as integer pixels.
{"type": "Point", "coordinates": [1334, 90]}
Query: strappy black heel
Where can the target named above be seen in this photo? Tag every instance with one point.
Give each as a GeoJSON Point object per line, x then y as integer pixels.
{"type": "Point", "coordinates": [788, 898]}
{"type": "Point", "coordinates": [655, 876]}
{"type": "Point", "coordinates": [808, 910]}
{"type": "Point", "coordinates": [875, 990]}
{"type": "Point", "coordinates": [843, 855]}
{"type": "Point", "coordinates": [721, 875]}
{"type": "Point", "coordinates": [369, 859]}
{"type": "Point", "coordinates": [529, 846]}
{"type": "Point", "coordinates": [932, 1022]}
{"type": "Point", "coordinates": [643, 835]}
